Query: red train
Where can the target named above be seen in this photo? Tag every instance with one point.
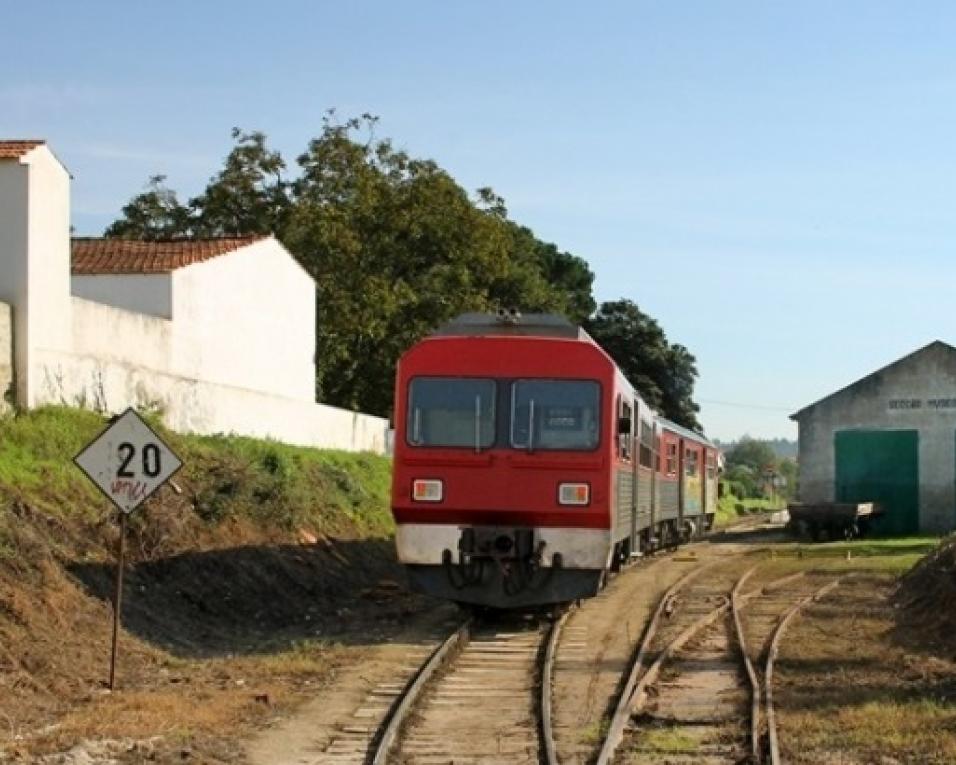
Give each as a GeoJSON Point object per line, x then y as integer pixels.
{"type": "Point", "coordinates": [526, 466]}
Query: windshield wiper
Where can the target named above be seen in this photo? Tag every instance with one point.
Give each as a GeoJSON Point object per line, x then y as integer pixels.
{"type": "Point", "coordinates": [478, 424]}
{"type": "Point", "coordinates": [530, 426]}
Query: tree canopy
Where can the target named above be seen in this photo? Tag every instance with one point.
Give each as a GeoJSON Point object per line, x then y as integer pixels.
{"type": "Point", "coordinates": [397, 247]}
{"type": "Point", "coordinates": [664, 374]}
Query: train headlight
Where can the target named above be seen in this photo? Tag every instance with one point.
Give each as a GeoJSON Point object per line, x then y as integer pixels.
{"type": "Point", "coordinates": [430, 490]}
{"type": "Point", "coordinates": [574, 494]}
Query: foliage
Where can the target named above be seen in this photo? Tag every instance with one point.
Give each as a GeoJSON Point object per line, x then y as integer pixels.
{"type": "Point", "coordinates": [395, 245]}
{"type": "Point", "coordinates": [732, 506]}
{"type": "Point", "coordinates": [754, 454]}
{"type": "Point", "coordinates": [156, 213]}
{"type": "Point", "coordinates": [663, 373]}
{"type": "Point", "coordinates": [276, 486]}
{"type": "Point", "coordinates": [248, 196]}
{"type": "Point", "coordinates": [753, 463]}
{"type": "Point", "coordinates": [397, 248]}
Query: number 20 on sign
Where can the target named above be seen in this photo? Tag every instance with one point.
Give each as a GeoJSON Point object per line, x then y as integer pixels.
{"type": "Point", "coordinates": [128, 461]}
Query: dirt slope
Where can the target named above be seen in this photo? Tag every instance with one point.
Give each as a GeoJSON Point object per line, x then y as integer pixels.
{"type": "Point", "coordinates": [247, 586]}
{"type": "Point", "coordinates": [926, 595]}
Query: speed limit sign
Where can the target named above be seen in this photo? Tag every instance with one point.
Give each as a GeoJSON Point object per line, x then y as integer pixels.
{"type": "Point", "coordinates": [128, 461]}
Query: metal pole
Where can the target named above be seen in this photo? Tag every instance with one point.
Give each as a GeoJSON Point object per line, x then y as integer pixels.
{"type": "Point", "coordinates": [118, 597]}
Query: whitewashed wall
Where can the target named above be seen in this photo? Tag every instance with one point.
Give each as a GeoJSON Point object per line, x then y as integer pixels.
{"type": "Point", "coordinates": [6, 355]}
{"type": "Point", "coordinates": [247, 319]}
{"type": "Point", "coordinates": [122, 358]}
{"type": "Point", "coordinates": [225, 346]}
{"type": "Point", "coordinates": [151, 294]}
{"type": "Point", "coordinates": [13, 246]}
{"type": "Point", "coordinates": [35, 257]}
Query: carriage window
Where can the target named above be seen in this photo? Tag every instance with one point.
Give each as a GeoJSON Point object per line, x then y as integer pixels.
{"type": "Point", "coordinates": [691, 462]}
{"type": "Point", "coordinates": [672, 459]}
{"type": "Point", "coordinates": [450, 411]}
{"type": "Point", "coordinates": [555, 414]}
{"type": "Point", "coordinates": [647, 444]}
{"type": "Point", "coordinates": [711, 465]}
{"type": "Point", "coordinates": [624, 440]}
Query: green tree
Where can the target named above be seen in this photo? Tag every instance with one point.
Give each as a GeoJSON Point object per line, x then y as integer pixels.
{"type": "Point", "coordinates": [156, 213]}
{"type": "Point", "coordinates": [755, 454]}
{"type": "Point", "coordinates": [249, 194]}
{"type": "Point", "coordinates": [663, 374]}
{"type": "Point", "coordinates": [396, 246]}
{"type": "Point", "coordinates": [788, 469]}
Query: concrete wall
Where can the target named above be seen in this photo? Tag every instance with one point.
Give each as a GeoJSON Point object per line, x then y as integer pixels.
{"type": "Point", "coordinates": [224, 346]}
{"type": "Point", "coordinates": [35, 258]}
{"type": "Point", "coordinates": [121, 358]}
{"type": "Point", "coordinates": [247, 319]}
{"type": "Point", "coordinates": [13, 260]}
{"type": "Point", "coordinates": [876, 404]}
{"type": "Point", "coordinates": [7, 392]}
{"type": "Point", "coordinates": [151, 294]}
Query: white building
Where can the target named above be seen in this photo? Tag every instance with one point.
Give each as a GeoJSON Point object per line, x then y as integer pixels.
{"type": "Point", "coordinates": [217, 334]}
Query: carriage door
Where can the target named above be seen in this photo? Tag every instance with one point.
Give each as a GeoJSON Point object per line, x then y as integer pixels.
{"type": "Point", "coordinates": [626, 473]}
{"type": "Point", "coordinates": [681, 482]}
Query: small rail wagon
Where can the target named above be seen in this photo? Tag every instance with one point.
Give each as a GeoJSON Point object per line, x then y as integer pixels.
{"type": "Point", "coordinates": [526, 466]}
{"type": "Point", "coordinates": [832, 520]}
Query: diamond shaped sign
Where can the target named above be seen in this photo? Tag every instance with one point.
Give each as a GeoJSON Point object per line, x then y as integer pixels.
{"type": "Point", "coordinates": [128, 461]}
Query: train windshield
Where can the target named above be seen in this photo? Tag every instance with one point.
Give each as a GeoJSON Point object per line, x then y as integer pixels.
{"type": "Point", "coordinates": [554, 414]}
{"type": "Point", "coordinates": [451, 411]}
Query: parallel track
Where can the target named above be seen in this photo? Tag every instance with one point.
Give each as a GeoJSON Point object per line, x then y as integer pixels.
{"type": "Point", "coordinates": [485, 694]}
{"type": "Point", "coordinates": [773, 743]}
{"type": "Point", "coordinates": [709, 637]}
{"type": "Point", "coordinates": [475, 700]}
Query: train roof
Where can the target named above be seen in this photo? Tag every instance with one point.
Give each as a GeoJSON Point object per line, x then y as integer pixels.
{"type": "Point", "coordinates": [514, 324]}
{"type": "Point", "coordinates": [682, 431]}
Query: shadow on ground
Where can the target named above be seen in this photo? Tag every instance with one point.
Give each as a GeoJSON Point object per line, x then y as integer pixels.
{"type": "Point", "coordinates": [260, 599]}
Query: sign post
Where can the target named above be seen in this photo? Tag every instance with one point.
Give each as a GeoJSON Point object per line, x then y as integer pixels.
{"type": "Point", "coordinates": [128, 462]}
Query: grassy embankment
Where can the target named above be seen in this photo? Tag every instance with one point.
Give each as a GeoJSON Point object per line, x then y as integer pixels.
{"type": "Point", "coordinates": [731, 508]}
{"type": "Point", "coordinates": [241, 577]}
{"type": "Point", "coordinates": [862, 677]}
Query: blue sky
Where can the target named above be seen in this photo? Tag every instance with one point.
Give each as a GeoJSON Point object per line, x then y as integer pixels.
{"type": "Point", "coordinates": [774, 182]}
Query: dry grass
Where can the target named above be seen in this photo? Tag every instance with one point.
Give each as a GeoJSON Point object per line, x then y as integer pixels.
{"type": "Point", "coordinates": [189, 702]}
{"type": "Point", "coordinates": [668, 740]}
{"type": "Point", "coordinates": [847, 692]}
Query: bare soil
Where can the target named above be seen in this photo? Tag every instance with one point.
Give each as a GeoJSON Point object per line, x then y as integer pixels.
{"type": "Point", "coordinates": [601, 638]}
{"type": "Point", "coordinates": [216, 643]}
{"type": "Point", "coordinates": [859, 682]}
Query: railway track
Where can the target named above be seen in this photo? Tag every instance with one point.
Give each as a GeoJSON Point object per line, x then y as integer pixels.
{"type": "Point", "coordinates": [694, 690]}
{"type": "Point", "coordinates": [475, 701]}
{"type": "Point", "coordinates": [700, 699]}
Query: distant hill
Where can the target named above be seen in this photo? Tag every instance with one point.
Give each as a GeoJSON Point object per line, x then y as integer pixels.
{"type": "Point", "coordinates": [782, 447]}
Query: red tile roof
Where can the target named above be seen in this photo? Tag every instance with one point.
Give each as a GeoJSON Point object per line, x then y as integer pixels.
{"type": "Point", "coordinates": [133, 256]}
{"type": "Point", "coordinates": [16, 149]}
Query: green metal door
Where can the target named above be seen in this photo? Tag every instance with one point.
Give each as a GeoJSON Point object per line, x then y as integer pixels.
{"type": "Point", "coordinates": [881, 466]}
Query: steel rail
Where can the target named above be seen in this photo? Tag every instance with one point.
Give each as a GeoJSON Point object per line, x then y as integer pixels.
{"type": "Point", "coordinates": [404, 703]}
{"type": "Point", "coordinates": [736, 607]}
{"type": "Point", "coordinates": [622, 711]}
{"type": "Point", "coordinates": [635, 695]}
{"type": "Point", "coordinates": [738, 602]}
{"type": "Point", "coordinates": [547, 682]}
{"type": "Point", "coordinates": [773, 739]}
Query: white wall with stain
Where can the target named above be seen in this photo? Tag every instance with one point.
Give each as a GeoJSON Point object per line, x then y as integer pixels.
{"type": "Point", "coordinates": [222, 346]}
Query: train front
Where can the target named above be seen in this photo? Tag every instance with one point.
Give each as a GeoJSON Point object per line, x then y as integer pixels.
{"type": "Point", "coordinates": [501, 483]}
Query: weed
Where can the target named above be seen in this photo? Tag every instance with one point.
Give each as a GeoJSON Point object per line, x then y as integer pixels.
{"type": "Point", "coordinates": [669, 740]}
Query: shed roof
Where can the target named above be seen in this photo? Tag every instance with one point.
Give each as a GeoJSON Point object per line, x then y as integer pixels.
{"type": "Point", "coordinates": [933, 346]}
{"type": "Point", "coordinates": [16, 149]}
{"type": "Point", "coordinates": [92, 256]}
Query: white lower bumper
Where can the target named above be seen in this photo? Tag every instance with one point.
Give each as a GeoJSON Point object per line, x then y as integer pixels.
{"type": "Point", "coordinates": [423, 544]}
